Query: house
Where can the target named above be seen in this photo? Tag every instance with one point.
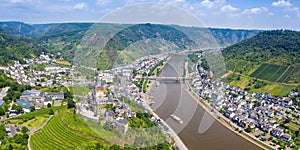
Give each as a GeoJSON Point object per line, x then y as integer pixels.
{"type": "Point", "coordinates": [121, 125]}
{"type": "Point", "coordinates": [47, 101]}
{"type": "Point", "coordinates": [277, 132]}
{"type": "Point", "coordinates": [1, 102]}
{"type": "Point", "coordinates": [55, 95]}
{"type": "Point", "coordinates": [25, 105]}
{"type": "Point", "coordinates": [13, 113]}
{"type": "Point", "coordinates": [230, 114]}
{"type": "Point", "coordinates": [286, 137]}
{"type": "Point", "coordinates": [287, 101]}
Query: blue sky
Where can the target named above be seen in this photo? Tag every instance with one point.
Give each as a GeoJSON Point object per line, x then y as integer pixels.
{"type": "Point", "coordinates": [248, 14]}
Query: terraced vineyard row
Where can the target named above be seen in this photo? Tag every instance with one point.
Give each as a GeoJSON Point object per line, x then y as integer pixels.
{"type": "Point", "coordinates": [275, 73]}
{"type": "Point", "coordinates": [289, 74]}
{"type": "Point", "coordinates": [55, 136]}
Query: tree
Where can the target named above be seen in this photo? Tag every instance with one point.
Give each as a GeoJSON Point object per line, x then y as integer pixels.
{"type": "Point", "coordinates": [21, 139]}
{"type": "Point", "coordinates": [71, 103]}
{"type": "Point", "coordinates": [51, 112]}
{"type": "Point", "coordinates": [10, 147]}
{"type": "Point", "coordinates": [6, 106]}
{"type": "Point", "coordinates": [2, 132]}
{"type": "Point", "coordinates": [2, 112]}
{"type": "Point", "coordinates": [32, 108]}
{"type": "Point", "coordinates": [48, 105]}
{"type": "Point", "coordinates": [24, 130]}
{"type": "Point", "coordinates": [68, 94]}
{"type": "Point", "coordinates": [19, 108]}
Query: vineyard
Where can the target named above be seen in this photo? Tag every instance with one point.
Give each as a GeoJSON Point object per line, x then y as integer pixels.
{"type": "Point", "coordinates": [57, 136]}
{"type": "Point", "coordinates": [276, 73]}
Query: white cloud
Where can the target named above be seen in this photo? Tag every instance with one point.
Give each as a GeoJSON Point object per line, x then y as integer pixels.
{"type": "Point", "coordinates": [295, 10]}
{"type": "Point", "coordinates": [17, 1]}
{"type": "Point", "coordinates": [255, 10]}
{"type": "Point", "coordinates": [271, 14]}
{"type": "Point", "coordinates": [281, 3]}
{"type": "Point", "coordinates": [207, 3]}
{"type": "Point", "coordinates": [210, 4]}
{"type": "Point", "coordinates": [79, 6]}
{"type": "Point", "coordinates": [103, 2]}
{"type": "Point", "coordinates": [179, 1]}
{"type": "Point", "coordinates": [288, 7]}
{"type": "Point", "coordinates": [229, 8]}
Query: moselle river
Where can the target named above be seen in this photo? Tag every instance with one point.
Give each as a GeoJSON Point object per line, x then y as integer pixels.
{"type": "Point", "coordinates": [199, 130]}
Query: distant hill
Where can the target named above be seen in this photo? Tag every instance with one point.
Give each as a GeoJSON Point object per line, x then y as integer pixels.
{"type": "Point", "coordinates": [16, 29]}
{"type": "Point", "coordinates": [275, 47]}
{"type": "Point", "coordinates": [227, 37]}
{"type": "Point", "coordinates": [66, 38]}
{"type": "Point", "coordinates": [16, 49]}
{"type": "Point", "coordinates": [268, 62]}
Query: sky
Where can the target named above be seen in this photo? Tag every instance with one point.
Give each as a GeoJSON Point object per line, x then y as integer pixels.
{"type": "Point", "coordinates": [237, 14]}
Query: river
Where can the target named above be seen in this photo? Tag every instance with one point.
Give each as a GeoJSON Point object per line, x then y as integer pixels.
{"type": "Point", "coordinates": [197, 133]}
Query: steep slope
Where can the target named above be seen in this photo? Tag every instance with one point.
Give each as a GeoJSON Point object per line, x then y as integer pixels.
{"type": "Point", "coordinates": [268, 62]}
{"type": "Point", "coordinates": [16, 49]}
{"type": "Point", "coordinates": [275, 47]}
{"type": "Point", "coordinates": [16, 29]}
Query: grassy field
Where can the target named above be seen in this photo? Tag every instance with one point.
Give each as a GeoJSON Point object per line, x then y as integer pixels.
{"type": "Point", "coordinates": [275, 73]}
{"type": "Point", "coordinates": [246, 82]}
{"type": "Point", "coordinates": [87, 128]}
{"type": "Point", "coordinates": [63, 62]}
{"type": "Point", "coordinates": [34, 119]}
{"type": "Point", "coordinates": [293, 126]}
{"type": "Point", "coordinates": [36, 122]}
{"type": "Point", "coordinates": [80, 90]}
{"type": "Point", "coordinates": [37, 113]}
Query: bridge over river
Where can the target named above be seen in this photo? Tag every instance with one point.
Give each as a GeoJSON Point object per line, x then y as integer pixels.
{"type": "Point", "coordinates": [167, 79]}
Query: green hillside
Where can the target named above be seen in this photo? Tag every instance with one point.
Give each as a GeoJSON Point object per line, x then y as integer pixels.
{"type": "Point", "coordinates": [16, 49]}
{"type": "Point", "coordinates": [274, 47]}
{"type": "Point", "coordinates": [67, 37]}
{"type": "Point", "coordinates": [273, 57]}
{"type": "Point", "coordinates": [16, 29]}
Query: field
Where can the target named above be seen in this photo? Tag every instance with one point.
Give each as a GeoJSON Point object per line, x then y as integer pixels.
{"type": "Point", "coordinates": [80, 90]}
{"type": "Point", "coordinates": [57, 136]}
{"type": "Point", "coordinates": [293, 126]}
{"type": "Point", "coordinates": [67, 130]}
{"type": "Point", "coordinates": [36, 122]}
{"type": "Point", "coordinates": [275, 73]}
{"type": "Point", "coordinates": [34, 119]}
{"type": "Point", "coordinates": [246, 82]}
{"type": "Point", "coordinates": [37, 113]}
{"type": "Point", "coordinates": [63, 62]}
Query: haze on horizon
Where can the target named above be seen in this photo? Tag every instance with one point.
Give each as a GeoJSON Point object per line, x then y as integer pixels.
{"type": "Point", "coordinates": [247, 14]}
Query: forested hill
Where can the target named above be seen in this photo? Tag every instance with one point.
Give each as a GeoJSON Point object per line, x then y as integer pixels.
{"type": "Point", "coordinates": [16, 29]}
{"type": "Point", "coordinates": [280, 47]}
{"type": "Point", "coordinates": [16, 49]}
{"type": "Point", "coordinates": [65, 38]}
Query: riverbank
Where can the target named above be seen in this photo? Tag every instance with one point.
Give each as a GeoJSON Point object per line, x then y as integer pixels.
{"type": "Point", "coordinates": [171, 98]}
{"type": "Point", "coordinates": [221, 119]}
{"type": "Point", "coordinates": [178, 142]}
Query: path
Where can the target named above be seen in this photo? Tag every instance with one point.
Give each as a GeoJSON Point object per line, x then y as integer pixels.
{"type": "Point", "coordinates": [33, 130]}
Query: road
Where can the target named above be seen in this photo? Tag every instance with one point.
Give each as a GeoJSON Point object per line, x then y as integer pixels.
{"type": "Point", "coordinates": [33, 130]}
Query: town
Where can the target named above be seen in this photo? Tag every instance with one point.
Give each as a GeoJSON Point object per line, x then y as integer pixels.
{"type": "Point", "coordinates": [120, 95]}
{"type": "Point", "coordinates": [45, 71]}
{"type": "Point", "coordinates": [265, 117]}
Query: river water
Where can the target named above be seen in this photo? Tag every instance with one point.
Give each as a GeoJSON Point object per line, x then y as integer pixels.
{"type": "Point", "coordinates": [199, 131]}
